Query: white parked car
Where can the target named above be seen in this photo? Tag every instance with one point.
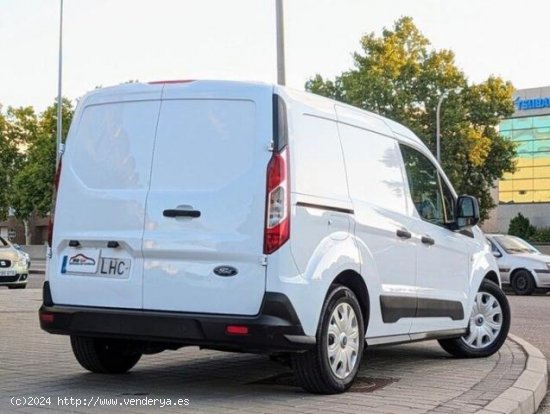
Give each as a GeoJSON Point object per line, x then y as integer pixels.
{"type": "Point", "coordinates": [250, 217]}
{"type": "Point", "coordinates": [14, 266]}
{"type": "Point", "coordinates": [24, 253]}
{"type": "Point", "coordinates": [521, 265]}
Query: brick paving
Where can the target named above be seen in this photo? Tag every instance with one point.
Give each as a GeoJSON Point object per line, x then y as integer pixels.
{"type": "Point", "coordinates": [421, 377]}
{"type": "Point", "coordinates": [530, 321]}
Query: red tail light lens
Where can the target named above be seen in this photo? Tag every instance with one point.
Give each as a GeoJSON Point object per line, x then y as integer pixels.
{"type": "Point", "coordinates": [54, 196]}
{"type": "Point", "coordinates": [277, 217]}
{"type": "Point", "coordinates": [47, 317]}
{"type": "Point", "coordinates": [236, 330]}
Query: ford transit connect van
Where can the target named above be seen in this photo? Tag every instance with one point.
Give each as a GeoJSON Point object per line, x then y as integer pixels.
{"type": "Point", "coordinates": [250, 217]}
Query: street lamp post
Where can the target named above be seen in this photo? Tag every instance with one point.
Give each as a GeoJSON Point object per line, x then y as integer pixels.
{"type": "Point", "coordinates": [59, 99]}
{"type": "Point", "coordinates": [280, 42]}
{"type": "Point", "coordinates": [438, 127]}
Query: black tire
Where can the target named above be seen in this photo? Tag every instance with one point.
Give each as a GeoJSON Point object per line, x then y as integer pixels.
{"type": "Point", "coordinates": [459, 348]}
{"type": "Point", "coordinates": [18, 286]}
{"type": "Point", "coordinates": [312, 368]}
{"type": "Point", "coordinates": [105, 356]}
{"type": "Point", "coordinates": [523, 283]}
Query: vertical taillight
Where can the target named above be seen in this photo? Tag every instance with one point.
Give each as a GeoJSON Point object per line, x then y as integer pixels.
{"type": "Point", "coordinates": [277, 217]}
{"type": "Point", "coordinates": [54, 196]}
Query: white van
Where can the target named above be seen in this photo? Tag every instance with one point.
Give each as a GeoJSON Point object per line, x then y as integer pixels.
{"type": "Point", "coordinates": [250, 217]}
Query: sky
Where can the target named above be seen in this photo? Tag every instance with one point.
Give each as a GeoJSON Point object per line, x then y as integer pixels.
{"type": "Point", "coordinates": [107, 42]}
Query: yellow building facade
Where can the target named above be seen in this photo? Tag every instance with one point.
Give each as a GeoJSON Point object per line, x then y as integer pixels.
{"type": "Point", "coordinates": [530, 183]}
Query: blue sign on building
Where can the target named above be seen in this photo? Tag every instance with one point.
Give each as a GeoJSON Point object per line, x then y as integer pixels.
{"type": "Point", "coordinates": [531, 103]}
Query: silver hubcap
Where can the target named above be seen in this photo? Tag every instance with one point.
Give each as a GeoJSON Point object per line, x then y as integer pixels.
{"type": "Point", "coordinates": [485, 321]}
{"type": "Point", "coordinates": [343, 340]}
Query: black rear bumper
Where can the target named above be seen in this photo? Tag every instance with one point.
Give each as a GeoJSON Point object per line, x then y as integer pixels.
{"type": "Point", "coordinates": [275, 329]}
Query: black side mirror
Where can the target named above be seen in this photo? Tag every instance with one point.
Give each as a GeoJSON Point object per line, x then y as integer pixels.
{"type": "Point", "coordinates": [467, 209]}
{"type": "Point", "coordinates": [497, 254]}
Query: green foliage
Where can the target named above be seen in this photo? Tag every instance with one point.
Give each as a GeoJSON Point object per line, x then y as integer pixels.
{"type": "Point", "coordinates": [27, 155]}
{"type": "Point", "coordinates": [32, 186]}
{"type": "Point", "coordinates": [520, 226]}
{"type": "Point", "coordinates": [13, 139]}
{"type": "Point", "coordinates": [541, 235]}
{"type": "Point", "coordinates": [397, 75]}
{"type": "Point", "coordinates": [31, 190]}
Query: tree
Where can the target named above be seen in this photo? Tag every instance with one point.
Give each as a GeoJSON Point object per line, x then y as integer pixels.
{"type": "Point", "coordinates": [16, 128]}
{"type": "Point", "coordinates": [520, 226]}
{"type": "Point", "coordinates": [31, 187]}
{"type": "Point", "coordinates": [398, 76]}
{"type": "Point", "coordinates": [8, 153]}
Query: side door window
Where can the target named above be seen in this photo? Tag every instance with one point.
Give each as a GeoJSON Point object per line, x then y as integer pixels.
{"type": "Point", "coordinates": [431, 202]}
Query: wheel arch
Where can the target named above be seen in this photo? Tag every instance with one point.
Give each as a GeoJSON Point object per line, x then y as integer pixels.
{"type": "Point", "coordinates": [520, 269]}
{"type": "Point", "coordinates": [355, 282]}
{"type": "Point", "coordinates": [493, 277]}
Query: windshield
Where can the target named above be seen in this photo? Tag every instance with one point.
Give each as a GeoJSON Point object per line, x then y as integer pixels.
{"type": "Point", "coordinates": [515, 245]}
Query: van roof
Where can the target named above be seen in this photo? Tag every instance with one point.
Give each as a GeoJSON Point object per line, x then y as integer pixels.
{"type": "Point", "coordinates": [314, 101]}
{"type": "Point", "coordinates": [306, 100]}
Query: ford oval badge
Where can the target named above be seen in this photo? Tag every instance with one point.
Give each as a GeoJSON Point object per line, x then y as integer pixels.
{"type": "Point", "coordinates": [225, 271]}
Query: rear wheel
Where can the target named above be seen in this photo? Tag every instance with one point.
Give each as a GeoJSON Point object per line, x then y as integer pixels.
{"type": "Point", "coordinates": [523, 283]}
{"type": "Point", "coordinates": [333, 364]}
{"type": "Point", "coordinates": [488, 328]}
{"type": "Point", "coordinates": [105, 356]}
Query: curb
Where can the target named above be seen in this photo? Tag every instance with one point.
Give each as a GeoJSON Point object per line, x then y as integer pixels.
{"type": "Point", "coordinates": [525, 396]}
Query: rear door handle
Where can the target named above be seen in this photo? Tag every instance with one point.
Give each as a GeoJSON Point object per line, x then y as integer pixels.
{"type": "Point", "coordinates": [427, 240]}
{"type": "Point", "coordinates": [403, 234]}
{"type": "Point", "coordinates": [174, 212]}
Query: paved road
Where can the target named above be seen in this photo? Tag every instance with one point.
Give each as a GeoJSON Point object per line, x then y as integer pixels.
{"type": "Point", "coordinates": [414, 378]}
{"type": "Point", "coordinates": [36, 280]}
{"type": "Point", "coordinates": [531, 321]}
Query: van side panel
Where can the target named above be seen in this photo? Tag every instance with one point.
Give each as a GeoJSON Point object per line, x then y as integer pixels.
{"type": "Point", "coordinates": [320, 245]}
{"type": "Point", "coordinates": [388, 262]}
{"type": "Point", "coordinates": [319, 183]}
{"type": "Point", "coordinates": [101, 198]}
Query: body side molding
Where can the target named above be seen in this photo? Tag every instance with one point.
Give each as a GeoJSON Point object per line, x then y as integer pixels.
{"type": "Point", "coordinates": [396, 307]}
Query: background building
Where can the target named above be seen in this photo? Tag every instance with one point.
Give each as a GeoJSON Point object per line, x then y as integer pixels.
{"type": "Point", "coordinates": [14, 230]}
{"type": "Point", "coordinates": [528, 189]}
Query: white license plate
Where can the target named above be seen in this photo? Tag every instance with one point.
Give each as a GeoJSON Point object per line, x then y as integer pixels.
{"type": "Point", "coordinates": [7, 273]}
{"type": "Point", "coordinates": [113, 267]}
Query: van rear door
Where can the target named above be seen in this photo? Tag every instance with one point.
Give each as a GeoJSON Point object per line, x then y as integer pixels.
{"type": "Point", "coordinates": [97, 242]}
{"type": "Point", "coordinates": [203, 237]}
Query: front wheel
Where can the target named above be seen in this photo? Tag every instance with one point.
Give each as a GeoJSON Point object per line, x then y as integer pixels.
{"type": "Point", "coordinates": [488, 327]}
{"type": "Point", "coordinates": [333, 364]}
{"type": "Point", "coordinates": [105, 356]}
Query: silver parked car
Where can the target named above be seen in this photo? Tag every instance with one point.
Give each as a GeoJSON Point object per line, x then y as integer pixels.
{"type": "Point", "coordinates": [14, 266]}
{"type": "Point", "coordinates": [521, 265]}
